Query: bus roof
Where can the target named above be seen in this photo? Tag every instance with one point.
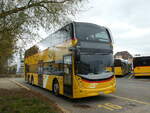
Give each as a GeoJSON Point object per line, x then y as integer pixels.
{"type": "Point", "coordinates": [141, 56]}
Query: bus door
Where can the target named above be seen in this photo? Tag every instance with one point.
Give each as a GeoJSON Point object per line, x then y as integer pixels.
{"type": "Point", "coordinates": [40, 73]}
{"type": "Point", "coordinates": [68, 88]}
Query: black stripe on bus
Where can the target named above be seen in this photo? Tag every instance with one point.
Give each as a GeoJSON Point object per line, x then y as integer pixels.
{"type": "Point", "coordinates": [97, 79]}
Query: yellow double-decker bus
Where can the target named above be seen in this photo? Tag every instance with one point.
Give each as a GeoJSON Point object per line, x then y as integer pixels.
{"type": "Point", "coordinates": [121, 67]}
{"type": "Point", "coordinates": [141, 66]}
{"type": "Point", "coordinates": [72, 61]}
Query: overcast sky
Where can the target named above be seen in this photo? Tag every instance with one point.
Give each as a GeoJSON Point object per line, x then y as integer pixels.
{"type": "Point", "coordinates": [129, 21]}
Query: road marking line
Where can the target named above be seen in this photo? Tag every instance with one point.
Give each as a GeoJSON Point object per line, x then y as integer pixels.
{"type": "Point", "coordinates": [125, 98]}
{"type": "Point", "coordinates": [131, 76]}
{"type": "Point", "coordinates": [110, 106]}
{"type": "Point", "coordinates": [19, 84]}
{"type": "Point", "coordinates": [114, 106]}
{"type": "Point", "coordinates": [103, 106]}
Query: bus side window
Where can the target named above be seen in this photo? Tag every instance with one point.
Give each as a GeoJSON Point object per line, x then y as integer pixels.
{"type": "Point", "coordinates": [67, 32]}
{"type": "Point", "coordinates": [66, 69]}
{"type": "Point", "coordinates": [67, 64]}
{"type": "Point", "coordinates": [40, 67]}
{"type": "Point", "coordinates": [26, 68]}
{"type": "Point", "coordinates": [40, 70]}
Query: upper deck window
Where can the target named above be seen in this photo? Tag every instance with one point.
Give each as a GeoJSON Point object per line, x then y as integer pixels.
{"type": "Point", "coordinates": [91, 32]}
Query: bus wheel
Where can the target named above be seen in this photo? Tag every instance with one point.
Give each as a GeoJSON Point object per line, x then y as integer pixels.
{"type": "Point", "coordinates": [56, 88]}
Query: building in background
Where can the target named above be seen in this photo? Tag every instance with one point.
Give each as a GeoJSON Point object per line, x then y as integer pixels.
{"type": "Point", "coordinates": [20, 63]}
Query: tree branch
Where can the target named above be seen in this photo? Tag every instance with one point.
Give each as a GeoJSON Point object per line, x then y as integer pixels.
{"type": "Point", "coordinates": [45, 8]}
{"type": "Point", "coordinates": [29, 2]}
{"type": "Point", "coordinates": [16, 10]}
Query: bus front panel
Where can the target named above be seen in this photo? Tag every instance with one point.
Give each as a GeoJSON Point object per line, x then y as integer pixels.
{"type": "Point", "coordinates": [94, 53]}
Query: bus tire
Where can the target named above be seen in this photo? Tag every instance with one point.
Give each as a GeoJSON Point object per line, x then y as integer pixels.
{"type": "Point", "coordinates": [56, 87]}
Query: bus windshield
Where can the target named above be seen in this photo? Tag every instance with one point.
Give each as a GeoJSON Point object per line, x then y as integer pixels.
{"type": "Point", "coordinates": [117, 62]}
{"type": "Point", "coordinates": [91, 32]}
{"type": "Point", "coordinates": [93, 64]}
{"type": "Point", "coordinates": [141, 61]}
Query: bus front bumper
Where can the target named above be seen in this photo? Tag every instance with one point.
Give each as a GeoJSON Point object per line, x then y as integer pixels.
{"type": "Point", "coordinates": [80, 93]}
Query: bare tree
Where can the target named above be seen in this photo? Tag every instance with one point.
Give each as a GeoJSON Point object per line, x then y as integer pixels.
{"type": "Point", "coordinates": [20, 19]}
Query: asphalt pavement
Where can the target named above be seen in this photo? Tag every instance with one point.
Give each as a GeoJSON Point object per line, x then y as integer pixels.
{"type": "Point", "coordinates": [6, 84]}
{"type": "Point", "coordinates": [132, 96]}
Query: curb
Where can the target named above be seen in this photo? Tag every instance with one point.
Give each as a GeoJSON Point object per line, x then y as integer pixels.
{"type": "Point", "coordinates": [62, 109]}
{"type": "Point", "coordinates": [19, 84]}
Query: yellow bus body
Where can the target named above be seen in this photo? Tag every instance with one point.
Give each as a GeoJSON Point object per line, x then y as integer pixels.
{"type": "Point", "coordinates": [118, 71]}
{"type": "Point", "coordinates": [142, 71]}
{"type": "Point", "coordinates": [81, 87]}
{"type": "Point", "coordinates": [86, 89]}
